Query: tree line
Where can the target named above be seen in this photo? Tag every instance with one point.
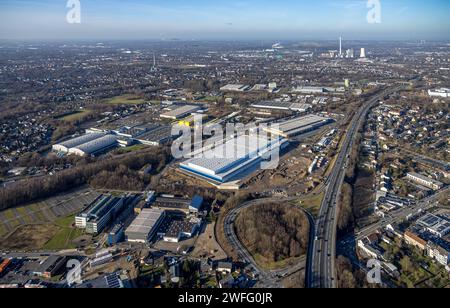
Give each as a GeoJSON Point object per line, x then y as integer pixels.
{"type": "Point", "coordinates": [276, 232]}
{"type": "Point", "coordinates": [43, 187]}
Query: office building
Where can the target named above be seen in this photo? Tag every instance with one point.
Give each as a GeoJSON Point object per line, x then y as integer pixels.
{"type": "Point", "coordinates": [99, 214]}
{"type": "Point", "coordinates": [116, 235]}
{"type": "Point", "coordinates": [196, 204]}
{"type": "Point", "coordinates": [415, 240]}
{"type": "Point", "coordinates": [424, 181]}
{"type": "Point", "coordinates": [439, 253]}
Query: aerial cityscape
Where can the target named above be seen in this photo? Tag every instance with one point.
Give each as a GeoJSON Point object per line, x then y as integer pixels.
{"type": "Point", "coordinates": [242, 145]}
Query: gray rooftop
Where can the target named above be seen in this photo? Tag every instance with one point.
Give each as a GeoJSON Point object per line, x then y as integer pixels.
{"type": "Point", "coordinates": [145, 221]}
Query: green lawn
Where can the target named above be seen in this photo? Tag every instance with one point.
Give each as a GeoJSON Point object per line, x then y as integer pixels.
{"type": "Point", "coordinates": [75, 116]}
{"type": "Point", "coordinates": [125, 100]}
{"type": "Point", "coordinates": [269, 265]}
{"type": "Point", "coordinates": [2, 230]}
{"type": "Point", "coordinates": [64, 237]}
{"type": "Point", "coordinates": [24, 215]}
{"type": "Point", "coordinates": [37, 212]}
{"type": "Point", "coordinates": [312, 203]}
{"type": "Point", "coordinates": [410, 279]}
{"type": "Point", "coordinates": [14, 223]}
{"type": "Point", "coordinates": [65, 222]}
{"type": "Point", "coordinates": [9, 214]}
{"type": "Point", "coordinates": [130, 149]}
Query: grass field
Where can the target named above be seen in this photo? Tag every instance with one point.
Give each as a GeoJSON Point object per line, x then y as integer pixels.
{"type": "Point", "coordinates": [14, 223]}
{"type": "Point", "coordinates": [131, 149]}
{"type": "Point", "coordinates": [75, 116]}
{"type": "Point", "coordinates": [66, 234]}
{"type": "Point", "coordinates": [268, 265]}
{"type": "Point", "coordinates": [312, 203]}
{"type": "Point", "coordinates": [52, 236]}
{"type": "Point", "coordinates": [2, 230]}
{"type": "Point", "coordinates": [9, 214]}
{"type": "Point", "coordinates": [63, 239]}
{"type": "Point", "coordinates": [31, 237]}
{"type": "Point", "coordinates": [24, 215]}
{"type": "Point", "coordinates": [125, 100]}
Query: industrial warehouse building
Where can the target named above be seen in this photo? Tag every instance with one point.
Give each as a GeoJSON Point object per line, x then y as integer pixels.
{"type": "Point", "coordinates": [50, 266]}
{"type": "Point", "coordinates": [157, 136]}
{"type": "Point", "coordinates": [88, 144]}
{"type": "Point", "coordinates": [235, 88]}
{"type": "Point", "coordinates": [298, 126]}
{"type": "Point", "coordinates": [144, 227]}
{"type": "Point", "coordinates": [151, 134]}
{"type": "Point", "coordinates": [99, 213]}
{"type": "Point", "coordinates": [96, 141]}
{"type": "Point", "coordinates": [180, 112]}
{"type": "Point", "coordinates": [95, 146]}
{"type": "Point", "coordinates": [174, 231]}
{"type": "Point", "coordinates": [221, 169]}
{"type": "Point", "coordinates": [174, 204]}
{"type": "Point", "coordinates": [65, 146]}
{"type": "Point", "coordinates": [282, 106]}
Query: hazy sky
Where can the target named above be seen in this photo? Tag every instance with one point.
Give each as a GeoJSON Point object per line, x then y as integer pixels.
{"type": "Point", "coordinates": [227, 19]}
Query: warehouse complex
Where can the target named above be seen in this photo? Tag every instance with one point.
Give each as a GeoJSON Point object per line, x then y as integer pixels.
{"type": "Point", "coordinates": [88, 144]}
{"type": "Point", "coordinates": [96, 141]}
{"type": "Point", "coordinates": [298, 126]}
{"type": "Point", "coordinates": [144, 227]}
{"type": "Point", "coordinates": [221, 169]}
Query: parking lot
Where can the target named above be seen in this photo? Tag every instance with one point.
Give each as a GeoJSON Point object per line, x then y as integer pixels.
{"type": "Point", "coordinates": [45, 211]}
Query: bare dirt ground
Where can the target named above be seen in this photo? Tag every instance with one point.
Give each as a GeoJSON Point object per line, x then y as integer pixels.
{"type": "Point", "coordinates": [207, 245]}
{"type": "Point", "coordinates": [295, 281]}
{"type": "Point", "coordinates": [30, 237]}
{"type": "Point", "coordinates": [173, 180]}
{"type": "Point", "coordinates": [117, 265]}
{"type": "Point", "coordinates": [290, 176]}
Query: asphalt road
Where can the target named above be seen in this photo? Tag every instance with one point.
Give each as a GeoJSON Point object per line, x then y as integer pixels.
{"type": "Point", "coordinates": [321, 264]}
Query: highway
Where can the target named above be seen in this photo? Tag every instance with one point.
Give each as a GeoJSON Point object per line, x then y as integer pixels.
{"type": "Point", "coordinates": [321, 264]}
{"type": "Point", "coordinates": [266, 279]}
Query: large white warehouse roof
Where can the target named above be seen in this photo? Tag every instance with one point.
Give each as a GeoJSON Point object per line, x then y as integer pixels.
{"type": "Point", "coordinates": [80, 140]}
{"type": "Point", "coordinates": [95, 145]}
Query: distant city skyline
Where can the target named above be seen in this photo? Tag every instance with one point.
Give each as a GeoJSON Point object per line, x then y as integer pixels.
{"type": "Point", "coordinates": [233, 19]}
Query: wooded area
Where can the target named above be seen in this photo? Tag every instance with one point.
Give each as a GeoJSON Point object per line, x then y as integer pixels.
{"type": "Point", "coordinates": [274, 231]}
{"type": "Point", "coordinates": [106, 173]}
